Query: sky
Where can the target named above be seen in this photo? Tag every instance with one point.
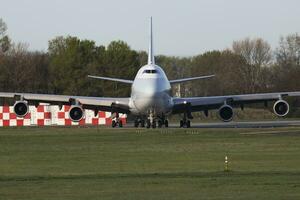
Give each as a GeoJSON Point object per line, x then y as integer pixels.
{"type": "Point", "coordinates": [181, 27]}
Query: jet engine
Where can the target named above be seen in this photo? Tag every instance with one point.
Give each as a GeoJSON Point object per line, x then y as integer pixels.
{"type": "Point", "coordinates": [226, 113]}
{"type": "Point", "coordinates": [281, 108]}
{"type": "Point", "coordinates": [21, 108]}
{"type": "Point", "coordinates": [76, 113]}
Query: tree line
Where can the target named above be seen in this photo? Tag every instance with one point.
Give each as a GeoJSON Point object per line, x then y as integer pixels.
{"type": "Point", "coordinates": [249, 66]}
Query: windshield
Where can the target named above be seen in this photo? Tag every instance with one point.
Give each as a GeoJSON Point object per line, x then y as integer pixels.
{"type": "Point", "coordinates": [150, 71]}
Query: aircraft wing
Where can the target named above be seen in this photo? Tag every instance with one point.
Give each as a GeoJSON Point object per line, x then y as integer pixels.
{"type": "Point", "coordinates": [112, 79]}
{"type": "Point", "coordinates": [190, 79]}
{"type": "Point", "coordinates": [214, 102]}
{"type": "Point", "coordinates": [94, 103]}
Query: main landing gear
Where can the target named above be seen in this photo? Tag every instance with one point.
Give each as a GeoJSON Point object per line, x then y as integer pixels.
{"type": "Point", "coordinates": [159, 123]}
{"type": "Point", "coordinates": [162, 121]}
{"type": "Point", "coordinates": [116, 121]}
{"type": "Point", "coordinates": [185, 122]}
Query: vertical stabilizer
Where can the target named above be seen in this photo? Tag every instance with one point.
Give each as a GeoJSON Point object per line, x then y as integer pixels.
{"type": "Point", "coordinates": [150, 52]}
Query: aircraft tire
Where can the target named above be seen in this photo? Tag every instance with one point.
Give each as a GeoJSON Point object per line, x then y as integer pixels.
{"type": "Point", "coordinates": [160, 123]}
{"type": "Point", "coordinates": [154, 124]}
{"type": "Point", "coordinates": [188, 124]}
{"type": "Point", "coordinates": [136, 123]}
{"type": "Point", "coordinates": [120, 123]}
{"type": "Point", "coordinates": [181, 123]}
{"type": "Point", "coordinates": [142, 123]}
{"type": "Point", "coordinates": [113, 124]}
{"type": "Point", "coordinates": [148, 123]}
{"type": "Point", "coordinates": [166, 123]}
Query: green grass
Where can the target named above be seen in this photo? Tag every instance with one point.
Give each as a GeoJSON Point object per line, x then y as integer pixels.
{"type": "Point", "coordinates": [102, 163]}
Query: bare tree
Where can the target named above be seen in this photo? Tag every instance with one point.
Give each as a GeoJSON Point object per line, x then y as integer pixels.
{"type": "Point", "coordinates": [257, 54]}
{"type": "Point", "coordinates": [4, 39]}
{"type": "Point", "coordinates": [287, 70]}
{"type": "Point", "coordinates": [3, 27]}
{"type": "Point", "coordinates": [288, 52]}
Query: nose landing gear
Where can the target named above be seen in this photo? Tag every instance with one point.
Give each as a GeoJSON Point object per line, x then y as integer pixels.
{"type": "Point", "coordinates": [138, 122]}
{"type": "Point", "coordinates": [153, 123]}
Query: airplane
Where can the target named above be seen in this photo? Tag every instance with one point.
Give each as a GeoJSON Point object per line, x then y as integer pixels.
{"type": "Point", "coordinates": [151, 101]}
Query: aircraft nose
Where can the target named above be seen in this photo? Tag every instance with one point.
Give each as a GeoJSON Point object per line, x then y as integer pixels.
{"type": "Point", "coordinates": [149, 92]}
{"type": "Point", "coordinates": [150, 88]}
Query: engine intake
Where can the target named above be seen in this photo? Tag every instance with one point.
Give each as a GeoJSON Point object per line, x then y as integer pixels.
{"type": "Point", "coordinates": [226, 113]}
{"type": "Point", "coordinates": [21, 108]}
{"type": "Point", "coordinates": [76, 113]}
{"type": "Point", "coordinates": [281, 108]}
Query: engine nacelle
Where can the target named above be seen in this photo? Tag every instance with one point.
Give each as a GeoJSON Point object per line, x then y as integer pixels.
{"type": "Point", "coordinates": [281, 108]}
{"type": "Point", "coordinates": [76, 113]}
{"type": "Point", "coordinates": [226, 113]}
{"type": "Point", "coordinates": [21, 108]}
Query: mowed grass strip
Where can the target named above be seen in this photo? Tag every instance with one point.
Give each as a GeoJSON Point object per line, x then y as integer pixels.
{"type": "Point", "coordinates": [104, 163]}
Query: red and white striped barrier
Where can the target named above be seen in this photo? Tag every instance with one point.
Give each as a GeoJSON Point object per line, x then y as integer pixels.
{"type": "Point", "coordinates": [47, 115]}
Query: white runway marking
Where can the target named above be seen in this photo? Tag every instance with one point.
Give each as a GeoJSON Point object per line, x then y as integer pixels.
{"type": "Point", "coordinates": [269, 132]}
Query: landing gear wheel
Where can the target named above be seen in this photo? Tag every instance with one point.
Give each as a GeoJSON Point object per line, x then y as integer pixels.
{"type": "Point", "coordinates": [188, 124]}
{"type": "Point", "coordinates": [113, 124]}
{"type": "Point", "coordinates": [143, 123]}
{"type": "Point", "coordinates": [181, 123]}
{"type": "Point", "coordinates": [136, 123]}
{"type": "Point", "coordinates": [166, 123]}
{"type": "Point", "coordinates": [185, 124]}
{"type": "Point", "coordinates": [160, 123]}
{"type": "Point", "coordinates": [148, 123]}
{"type": "Point", "coordinates": [154, 124]}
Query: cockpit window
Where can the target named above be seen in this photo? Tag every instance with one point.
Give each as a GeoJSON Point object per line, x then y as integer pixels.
{"type": "Point", "coordinates": [150, 71]}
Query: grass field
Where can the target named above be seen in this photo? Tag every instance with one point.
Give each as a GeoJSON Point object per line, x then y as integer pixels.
{"type": "Point", "coordinates": [102, 163]}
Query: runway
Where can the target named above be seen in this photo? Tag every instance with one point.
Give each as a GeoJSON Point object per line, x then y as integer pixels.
{"type": "Point", "coordinates": [236, 124]}
{"type": "Point", "coordinates": [244, 124]}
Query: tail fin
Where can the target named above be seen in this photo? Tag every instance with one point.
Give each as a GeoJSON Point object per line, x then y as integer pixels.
{"type": "Point", "coordinates": [150, 52]}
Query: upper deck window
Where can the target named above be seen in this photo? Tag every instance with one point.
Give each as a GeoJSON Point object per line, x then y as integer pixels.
{"type": "Point", "coordinates": [150, 71]}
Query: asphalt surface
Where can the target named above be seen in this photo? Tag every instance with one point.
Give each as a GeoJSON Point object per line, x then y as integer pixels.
{"type": "Point", "coordinates": [244, 124]}
{"type": "Point", "coordinates": [248, 124]}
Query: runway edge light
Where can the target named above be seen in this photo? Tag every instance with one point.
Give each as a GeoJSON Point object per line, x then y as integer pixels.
{"type": "Point", "coordinates": [226, 164]}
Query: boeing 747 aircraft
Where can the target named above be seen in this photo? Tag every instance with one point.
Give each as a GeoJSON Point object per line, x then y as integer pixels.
{"type": "Point", "coordinates": [151, 100]}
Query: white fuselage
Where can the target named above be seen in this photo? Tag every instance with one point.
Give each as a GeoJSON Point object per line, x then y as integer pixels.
{"type": "Point", "coordinates": [151, 92]}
